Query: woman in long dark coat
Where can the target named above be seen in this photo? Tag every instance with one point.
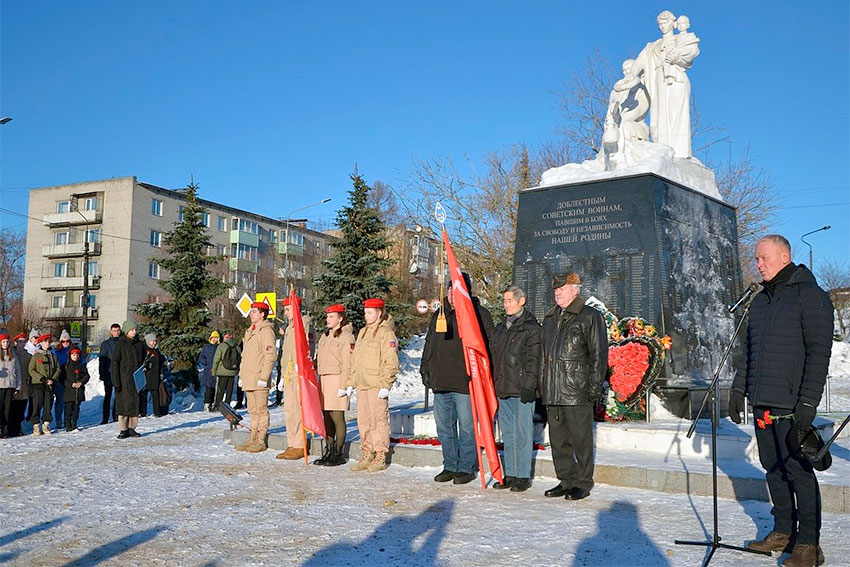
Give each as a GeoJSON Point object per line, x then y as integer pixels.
{"type": "Point", "coordinates": [154, 367]}
{"type": "Point", "coordinates": [129, 356]}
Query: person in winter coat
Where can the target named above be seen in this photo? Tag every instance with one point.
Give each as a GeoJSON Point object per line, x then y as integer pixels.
{"type": "Point", "coordinates": [61, 352]}
{"type": "Point", "coordinates": [782, 371]}
{"type": "Point", "coordinates": [107, 351]}
{"type": "Point", "coordinates": [575, 365]}
{"type": "Point", "coordinates": [129, 357]}
{"type": "Point", "coordinates": [288, 383]}
{"type": "Point", "coordinates": [154, 363]}
{"type": "Point", "coordinates": [516, 353]}
{"type": "Point", "coordinates": [44, 371]}
{"type": "Point", "coordinates": [10, 382]}
{"type": "Point", "coordinates": [205, 361]}
{"type": "Point", "coordinates": [76, 377]}
{"type": "Point", "coordinates": [443, 370]}
{"type": "Point", "coordinates": [255, 370]}
{"type": "Point", "coordinates": [21, 399]}
{"type": "Point", "coordinates": [374, 366]}
{"type": "Point", "coordinates": [225, 365]}
{"type": "Point", "coordinates": [32, 343]}
{"type": "Point", "coordinates": [333, 362]}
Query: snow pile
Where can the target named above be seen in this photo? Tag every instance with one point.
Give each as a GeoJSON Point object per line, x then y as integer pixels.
{"type": "Point", "coordinates": [839, 378]}
{"type": "Point", "coordinates": [408, 384]}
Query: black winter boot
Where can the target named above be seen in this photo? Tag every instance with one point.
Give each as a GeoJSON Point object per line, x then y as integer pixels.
{"type": "Point", "coordinates": [326, 455]}
{"type": "Point", "coordinates": [336, 457]}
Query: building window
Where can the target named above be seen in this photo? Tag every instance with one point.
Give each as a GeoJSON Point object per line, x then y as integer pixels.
{"type": "Point", "coordinates": [153, 270]}
{"type": "Point", "coordinates": [272, 236]}
{"type": "Point", "coordinates": [180, 210]}
{"type": "Point", "coordinates": [245, 252]}
{"type": "Point", "coordinates": [93, 235]}
{"type": "Point", "coordinates": [249, 226]}
{"type": "Point", "coordinates": [94, 269]}
{"type": "Point", "coordinates": [222, 223]}
{"type": "Point", "coordinates": [61, 238]}
{"type": "Point", "coordinates": [153, 299]}
{"type": "Point", "coordinates": [92, 300]}
{"type": "Point", "coordinates": [156, 238]}
{"type": "Point", "coordinates": [156, 207]}
{"type": "Point", "coordinates": [90, 204]}
{"type": "Point", "coordinates": [205, 219]}
{"type": "Point", "coordinates": [63, 207]}
{"type": "Point", "coordinates": [296, 238]}
{"type": "Point", "coordinates": [58, 301]}
{"type": "Point", "coordinates": [59, 270]}
{"type": "Point", "coordinates": [222, 250]}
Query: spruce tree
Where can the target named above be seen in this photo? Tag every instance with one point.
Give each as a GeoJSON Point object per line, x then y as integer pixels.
{"type": "Point", "coordinates": [356, 271]}
{"type": "Point", "coordinates": [182, 323]}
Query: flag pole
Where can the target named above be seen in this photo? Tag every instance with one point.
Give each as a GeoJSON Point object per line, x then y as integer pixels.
{"type": "Point", "coordinates": [475, 425]}
{"type": "Point", "coordinates": [303, 429]}
{"type": "Point", "coordinates": [294, 304]}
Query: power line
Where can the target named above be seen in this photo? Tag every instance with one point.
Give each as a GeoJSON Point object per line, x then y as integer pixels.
{"type": "Point", "coordinates": [809, 206]}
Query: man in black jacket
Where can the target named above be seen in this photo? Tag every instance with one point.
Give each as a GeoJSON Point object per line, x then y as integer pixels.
{"type": "Point", "coordinates": [444, 371]}
{"type": "Point", "coordinates": [783, 370]}
{"type": "Point", "coordinates": [575, 365]}
{"type": "Point", "coordinates": [104, 360]}
{"type": "Point", "coordinates": [516, 369]}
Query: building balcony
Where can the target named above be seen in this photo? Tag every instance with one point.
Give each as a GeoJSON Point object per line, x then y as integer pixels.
{"type": "Point", "coordinates": [242, 237]}
{"type": "Point", "coordinates": [73, 282]}
{"type": "Point", "coordinates": [243, 265]}
{"type": "Point", "coordinates": [76, 249]}
{"type": "Point", "coordinates": [70, 313]}
{"type": "Point", "coordinates": [294, 249]}
{"type": "Point", "coordinates": [73, 218]}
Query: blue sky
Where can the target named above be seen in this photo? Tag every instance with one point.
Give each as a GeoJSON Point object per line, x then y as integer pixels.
{"type": "Point", "coordinates": [270, 104]}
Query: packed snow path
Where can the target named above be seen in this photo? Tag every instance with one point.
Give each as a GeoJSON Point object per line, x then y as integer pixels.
{"type": "Point", "coordinates": [180, 496]}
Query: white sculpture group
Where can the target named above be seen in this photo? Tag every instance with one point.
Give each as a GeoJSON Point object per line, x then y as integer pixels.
{"type": "Point", "coordinates": [655, 82]}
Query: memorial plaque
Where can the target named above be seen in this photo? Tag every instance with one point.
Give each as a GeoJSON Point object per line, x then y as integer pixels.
{"type": "Point", "coordinates": [646, 247]}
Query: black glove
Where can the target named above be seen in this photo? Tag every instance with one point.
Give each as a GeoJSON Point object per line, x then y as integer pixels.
{"type": "Point", "coordinates": [804, 415]}
{"type": "Point", "coordinates": [426, 379]}
{"type": "Point", "coordinates": [527, 395]}
{"type": "Point", "coordinates": [736, 406]}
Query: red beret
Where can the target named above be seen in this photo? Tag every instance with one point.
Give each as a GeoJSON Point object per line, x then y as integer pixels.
{"type": "Point", "coordinates": [374, 302]}
{"type": "Point", "coordinates": [75, 349]}
{"type": "Point", "coordinates": [260, 305]}
{"type": "Point", "coordinates": [44, 337]}
{"type": "Point", "coordinates": [4, 336]}
{"type": "Point", "coordinates": [20, 336]}
{"type": "Point", "coordinates": [336, 308]}
{"type": "Point", "coordinates": [286, 301]}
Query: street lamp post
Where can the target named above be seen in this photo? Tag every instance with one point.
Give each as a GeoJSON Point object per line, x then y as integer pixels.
{"type": "Point", "coordinates": [84, 332]}
{"type": "Point", "coordinates": [803, 238]}
{"type": "Point", "coordinates": [286, 238]}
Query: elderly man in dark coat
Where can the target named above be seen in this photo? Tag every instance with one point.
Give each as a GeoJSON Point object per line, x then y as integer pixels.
{"type": "Point", "coordinates": [129, 356]}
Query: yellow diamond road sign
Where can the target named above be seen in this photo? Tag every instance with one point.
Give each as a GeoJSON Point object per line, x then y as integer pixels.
{"type": "Point", "coordinates": [269, 299]}
{"type": "Point", "coordinates": [244, 304]}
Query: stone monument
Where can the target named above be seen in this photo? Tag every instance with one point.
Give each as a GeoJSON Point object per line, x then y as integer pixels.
{"type": "Point", "coordinates": [643, 222]}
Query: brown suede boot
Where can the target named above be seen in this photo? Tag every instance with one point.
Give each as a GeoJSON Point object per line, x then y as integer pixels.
{"type": "Point", "coordinates": [774, 541]}
{"type": "Point", "coordinates": [805, 555]}
{"type": "Point", "coordinates": [364, 461]}
{"type": "Point", "coordinates": [291, 454]}
{"type": "Point", "coordinates": [251, 438]}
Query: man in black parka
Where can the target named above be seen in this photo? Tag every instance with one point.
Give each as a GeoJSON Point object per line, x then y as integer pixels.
{"type": "Point", "coordinates": [443, 370]}
{"type": "Point", "coordinates": [575, 365]}
{"type": "Point", "coordinates": [783, 370]}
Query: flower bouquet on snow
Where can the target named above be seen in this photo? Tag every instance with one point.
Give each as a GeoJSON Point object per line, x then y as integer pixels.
{"type": "Point", "coordinates": [635, 358]}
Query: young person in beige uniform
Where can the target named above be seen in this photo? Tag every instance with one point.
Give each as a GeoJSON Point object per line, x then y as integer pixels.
{"type": "Point", "coordinates": [373, 370]}
{"type": "Point", "coordinates": [258, 357]}
{"type": "Point", "coordinates": [289, 380]}
{"type": "Point", "coordinates": [333, 361]}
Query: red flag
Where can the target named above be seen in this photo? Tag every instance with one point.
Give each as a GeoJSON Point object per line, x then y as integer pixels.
{"type": "Point", "coordinates": [482, 392]}
{"type": "Point", "coordinates": [308, 387]}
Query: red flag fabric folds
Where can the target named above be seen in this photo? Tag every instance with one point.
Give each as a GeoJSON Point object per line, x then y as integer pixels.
{"type": "Point", "coordinates": [481, 389]}
{"type": "Point", "coordinates": [308, 386]}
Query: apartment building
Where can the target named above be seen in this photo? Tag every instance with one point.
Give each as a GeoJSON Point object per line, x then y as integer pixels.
{"type": "Point", "coordinates": [124, 222]}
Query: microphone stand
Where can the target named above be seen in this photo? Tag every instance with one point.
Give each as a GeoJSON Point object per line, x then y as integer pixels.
{"type": "Point", "coordinates": [711, 394]}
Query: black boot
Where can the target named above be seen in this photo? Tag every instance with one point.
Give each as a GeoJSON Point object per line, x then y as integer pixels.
{"type": "Point", "coordinates": [123, 435]}
{"type": "Point", "coordinates": [337, 457]}
{"type": "Point", "coordinates": [326, 455]}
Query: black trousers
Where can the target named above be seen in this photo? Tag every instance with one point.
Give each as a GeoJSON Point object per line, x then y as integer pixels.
{"type": "Point", "coordinates": [17, 411]}
{"type": "Point", "coordinates": [107, 402]}
{"type": "Point", "coordinates": [42, 399]}
{"type": "Point", "coordinates": [72, 414]}
{"type": "Point", "coordinates": [6, 395]}
{"type": "Point", "coordinates": [143, 402]}
{"type": "Point", "coordinates": [791, 482]}
{"type": "Point", "coordinates": [571, 440]}
{"type": "Point", "coordinates": [223, 389]}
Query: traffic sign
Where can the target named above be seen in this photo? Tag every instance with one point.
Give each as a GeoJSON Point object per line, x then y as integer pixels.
{"type": "Point", "coordinates": [244, 304]}
{"type": "Point", "coordinates": [422, 306]}
{"type": "Point", "coordinates": [76, 329]}
{"type": "Point", "coordinates": [435, 305]}
{"type": "Point", "coordinates": [269, 299]}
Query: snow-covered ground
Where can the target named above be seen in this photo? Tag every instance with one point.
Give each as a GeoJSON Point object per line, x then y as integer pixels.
{"type": "Point", "coordinates": [179, 495]}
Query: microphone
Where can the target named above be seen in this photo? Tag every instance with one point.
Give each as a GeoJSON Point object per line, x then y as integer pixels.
{"type": "Point", "coordinates": [753, 289]}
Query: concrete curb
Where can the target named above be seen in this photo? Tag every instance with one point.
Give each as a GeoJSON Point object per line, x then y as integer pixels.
{"type": "Point", "coordinates": [835, 498]}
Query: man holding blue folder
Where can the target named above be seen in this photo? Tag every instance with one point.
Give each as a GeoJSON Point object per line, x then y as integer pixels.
{"type": "Point", "coordinates": [128, 358]}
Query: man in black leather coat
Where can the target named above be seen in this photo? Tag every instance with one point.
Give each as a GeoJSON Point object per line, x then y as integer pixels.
{"type": "Point", "coordinates": [575, 365]}
{"type": "Point", "coordinates": [783, 371]}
